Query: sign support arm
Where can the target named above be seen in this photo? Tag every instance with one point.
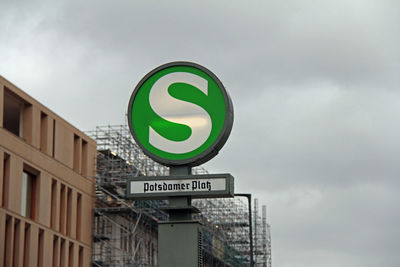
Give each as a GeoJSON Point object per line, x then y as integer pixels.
{"type": "Point", "coordinates": [180, 207]}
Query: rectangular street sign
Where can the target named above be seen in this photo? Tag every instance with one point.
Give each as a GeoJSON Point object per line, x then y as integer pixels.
{"type": "Point", "coordinates": [195, 186]}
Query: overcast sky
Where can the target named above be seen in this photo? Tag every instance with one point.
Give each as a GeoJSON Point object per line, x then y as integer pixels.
{"type": "Point", "coordinates": [315, 87]}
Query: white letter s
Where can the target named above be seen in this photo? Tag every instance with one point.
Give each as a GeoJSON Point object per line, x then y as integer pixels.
{"type": "Point", "coordinates": [181, 112]}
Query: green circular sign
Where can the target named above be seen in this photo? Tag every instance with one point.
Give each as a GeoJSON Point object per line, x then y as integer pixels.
{"type": "Point", "coordinates": [180, 114]}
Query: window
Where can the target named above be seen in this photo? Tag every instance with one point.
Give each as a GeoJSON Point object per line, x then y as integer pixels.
{"type": "Point", "coordinates": [27, 243]}
{"type": "Point", "coordinates": [17, 243]}
{"type": "Point", "coordinates": [69, 211]}
{"type": "Point", "coordinates": [12, 116]}
{"type": "Point", "coordinates": [17, 115]}
{"type": "Point", "coordinates": [56, 251]}
{"type": "Point", "coordinates": [62, 253]}
{"type": "Point", "coordinates": [80, 256]}
{"type": "Point", "coordinates": [153, 254]}
{"type": "Point", "coordinates": [71, 254]}
{"type": "Point", "coordinates": [8, 241]}
{"type": "Point", "coordinates": [78, 216]}
{"type": "Point", "coordinates": [62, 209]}
{"type": "Point", "coordinates": [53, 151]}
{"type": "Point", "coordinates": [28, 194]}
{"type": "Point", "coordinates": [149, 250]}
{"type": "Point", "coordinates": [6, 179]}
{"type": "Point", "coordinates": [53, 203]}
{"type": "Point", "coordinates": [123, 239]}
{"type": "Point", "coordinates": [44, 125]}
{"type": "Point", "coordinates": [84, 167]}
{"type": "Point", "coordinates": [40, 248]}
{"type": "Point", "coordinates": [77, 153]}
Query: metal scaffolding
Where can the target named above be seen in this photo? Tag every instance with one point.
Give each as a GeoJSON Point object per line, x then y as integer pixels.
{"type": "Point", "coordinates": [262, 237]}
{"type": "Point", "coordinates": [125, 231]}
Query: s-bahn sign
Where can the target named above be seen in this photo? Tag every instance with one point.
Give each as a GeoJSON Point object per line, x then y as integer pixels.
{"type": "Point", "coordinates": [180, 114]}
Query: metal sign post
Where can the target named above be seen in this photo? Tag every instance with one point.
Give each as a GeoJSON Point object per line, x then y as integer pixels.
{"type": "Point", "coordinates": [179, 239]}
{"type": "Point", "coordinates": [181, 116]}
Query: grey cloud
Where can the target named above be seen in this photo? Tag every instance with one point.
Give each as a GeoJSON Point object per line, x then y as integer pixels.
{"type": "Point", "coordinates": [315, 87]}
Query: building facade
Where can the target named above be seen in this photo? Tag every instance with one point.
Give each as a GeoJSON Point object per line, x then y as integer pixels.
{"type": "Point", "coordinates": [47, 170]}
